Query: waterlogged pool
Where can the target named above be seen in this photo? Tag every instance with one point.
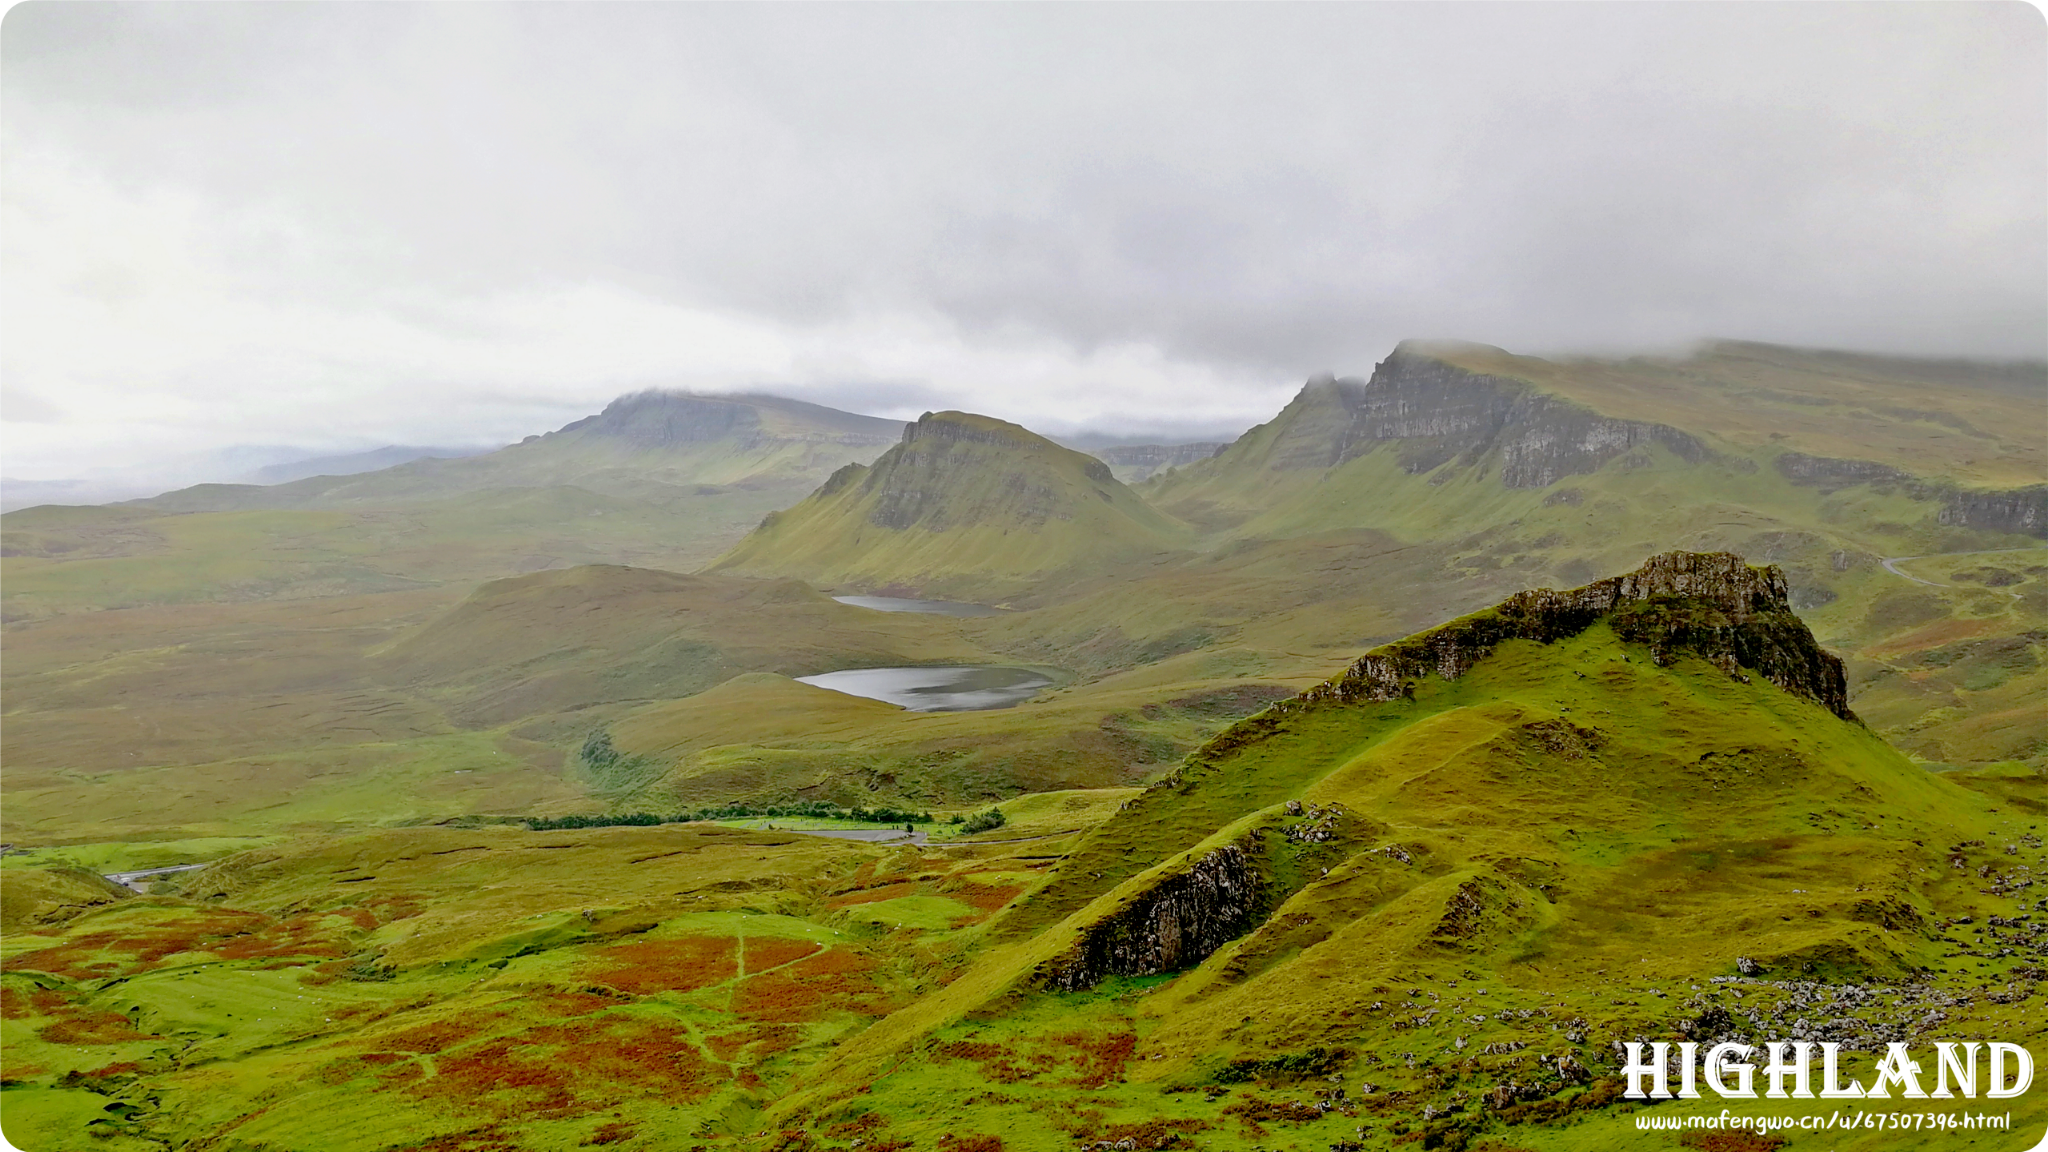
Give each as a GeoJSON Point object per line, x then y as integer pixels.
{"type": "Point", "coordinates": [948, 688]}
{"type": "Point", "coordinates": [929, 607]}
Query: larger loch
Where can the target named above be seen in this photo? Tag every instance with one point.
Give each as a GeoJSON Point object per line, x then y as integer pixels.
{"type": "Point", "coordinates": [934, 688]}
{"type": "Point", "coordinates": [938, 688]}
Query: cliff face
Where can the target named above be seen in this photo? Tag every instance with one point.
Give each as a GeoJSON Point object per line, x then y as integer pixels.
{"type": "Point", "coordinates": [1438, 413]}
{"type": "Point", "coordinates": [1711, 605]}
{"type": "Point", "coordinates": [1134, 462]}
{"type": "Point", "coordinates": [1174, 925]}
{"type": "Point", "coordinates": [2021, 511]}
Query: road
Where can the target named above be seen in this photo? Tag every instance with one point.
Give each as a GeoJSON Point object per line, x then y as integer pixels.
{"type": "Point", "coordinates": [129, 879]}
{"type": "Point", "coordinates": [1891, 564]}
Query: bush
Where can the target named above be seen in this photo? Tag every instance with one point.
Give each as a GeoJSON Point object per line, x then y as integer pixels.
{"type": "Point", "coordinates": [983, 821]}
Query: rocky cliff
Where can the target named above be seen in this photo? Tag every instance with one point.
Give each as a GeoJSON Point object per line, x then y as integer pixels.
{"type": "Point", "coordinates": [1134, 462]}
{"type": "Point", "coordinates": [1175, 924]}
{"type": "Point", "coordinates": [2021, 511]}
{"type": "Point", "coordinates": [1438, 413]}
{"type": "Point", "coordinates": [1712, 605]}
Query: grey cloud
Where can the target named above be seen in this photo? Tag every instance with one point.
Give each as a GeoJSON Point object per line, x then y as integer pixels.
{"type": "Point", "coordinates": [1276, 188]}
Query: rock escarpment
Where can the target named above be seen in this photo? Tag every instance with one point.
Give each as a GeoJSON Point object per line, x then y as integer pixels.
{"type": "Point", "coordinates": [1135, 462]}
{"type": "Point", "coordinates": [1437, 413]}
{"type": "Point", "coordinates": [2021, 511]}
{"type": "Point", "coordinates": [1175, 924]}
{"type": "Point", "coordinates": [1712, 605]}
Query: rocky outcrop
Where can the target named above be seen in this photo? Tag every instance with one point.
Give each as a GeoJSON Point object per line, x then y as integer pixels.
{"type": "Point", "coordinates": [1438, 413]}
{"type": "Point", "coordinates": [1829, 473]}
{"type": "Point", "coordinates": [1711, 605]}
{"type": "Point", "coordinates": [1173, 925]}
{"type": "Point", "coordinates": [2021, 511]}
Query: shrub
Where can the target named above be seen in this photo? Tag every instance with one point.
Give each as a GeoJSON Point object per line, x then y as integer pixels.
{"type": "Point", "coordinates": [983, 821]}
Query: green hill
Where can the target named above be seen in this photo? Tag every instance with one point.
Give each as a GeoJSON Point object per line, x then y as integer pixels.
{"type": "Point", "coordinates": [1467, 867]}
{"type": "Point", "coordinates": [1485, 470]}
{"type": "Point", "coordinates": [965, 506]}
{"type": "Point", "coordinates": [1416, 905]}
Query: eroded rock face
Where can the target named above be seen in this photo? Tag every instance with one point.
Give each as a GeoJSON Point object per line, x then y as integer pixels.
{"type": "Point", "coordinates": [1439, 413]}
{"type": "Point", "coordinates": [1142, 460]}
{"type": "Point", "coordinates": [2022, 511]}
{"type": "Point", "coordinates": [1174, 925]}
{"type": "Point", "coordinates": [1707, 604]}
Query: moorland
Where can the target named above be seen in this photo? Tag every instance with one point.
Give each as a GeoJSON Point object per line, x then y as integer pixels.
{"type": "Point", "coordinates": [497, 785]}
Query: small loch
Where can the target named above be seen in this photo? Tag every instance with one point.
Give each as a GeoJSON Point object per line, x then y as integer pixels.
{"type": "Point", "coordinates": [942, 688]}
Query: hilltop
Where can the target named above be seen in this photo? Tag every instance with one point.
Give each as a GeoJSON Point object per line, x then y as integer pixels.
{"type": "Point", "coordinates": [964, 505]}
{"type": "Point", "coordinates": [1465, 867]}
{"type": "Point", "coordinates": [644, 445]}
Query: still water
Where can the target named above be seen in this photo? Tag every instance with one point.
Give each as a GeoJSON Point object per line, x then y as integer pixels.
{"type": "Point", "coordinates": [931, 607]}
{"type": "Point", "coordinates": [953, 688]}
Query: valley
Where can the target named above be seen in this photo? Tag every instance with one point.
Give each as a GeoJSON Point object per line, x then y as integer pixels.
{"type": "Point", "coordinates": [1320, 822]}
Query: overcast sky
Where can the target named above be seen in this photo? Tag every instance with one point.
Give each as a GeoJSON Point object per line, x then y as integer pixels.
{"type": "Point", "coordinates": [340, 225]}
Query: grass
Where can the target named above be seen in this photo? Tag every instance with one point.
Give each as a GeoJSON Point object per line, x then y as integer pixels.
{"type": "Point", "coordinates": [1694, 818]}
{"type": "Point", "coordinates": [1566, 841]}
{"type": "Point", "coordinates": [430, 981]}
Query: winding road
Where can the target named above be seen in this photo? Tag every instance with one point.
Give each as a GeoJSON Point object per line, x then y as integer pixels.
{"type": "Point", "coordinates": [1891, 564]}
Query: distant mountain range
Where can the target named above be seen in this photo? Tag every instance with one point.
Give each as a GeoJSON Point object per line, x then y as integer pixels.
{"type": "Point", "coordinates": [650, 445]}
{"type": "Point", "coordinates": [239, 464]}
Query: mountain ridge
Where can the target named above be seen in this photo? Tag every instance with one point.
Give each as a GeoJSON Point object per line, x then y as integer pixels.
{"type": "Point", "coordinates": [652, 444]}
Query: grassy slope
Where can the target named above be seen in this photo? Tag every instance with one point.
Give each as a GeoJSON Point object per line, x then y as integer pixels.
{"type": "Point", "coordinates": [529, 647]}
{"type": "Point", "coordinates": [965, 507]}
{"type": "Point", "coordinates": [1581, 827]}
{"type": "Point", "coordinates": [652, 986]}
{"type": "Point", "coordinates": [1748, 404]}
{"type": "Point", "coordinates": [1449, 777]}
